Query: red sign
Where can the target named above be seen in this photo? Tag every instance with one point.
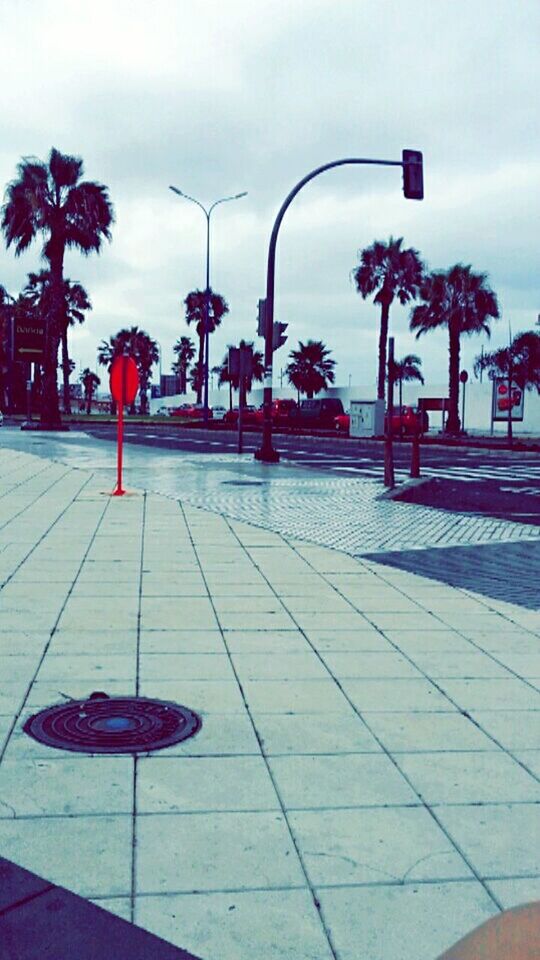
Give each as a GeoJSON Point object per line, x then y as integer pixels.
{"type": "Point", "coordinates": [124, 380]}
{"type": "Point", "coordinates": [124, 383]}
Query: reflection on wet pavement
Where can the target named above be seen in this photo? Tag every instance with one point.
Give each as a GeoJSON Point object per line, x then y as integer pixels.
{"type": "Point", "coordinates": [298, 502]}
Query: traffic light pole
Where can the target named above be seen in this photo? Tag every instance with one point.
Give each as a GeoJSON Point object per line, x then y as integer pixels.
{"type": "Point", "coordinates": [266, 452]}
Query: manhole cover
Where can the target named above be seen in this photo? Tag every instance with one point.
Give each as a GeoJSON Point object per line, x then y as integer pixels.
{"type": "Point", "coordinates": [104, 724]}
{"type": "Point", "coordinates": [243, 483]}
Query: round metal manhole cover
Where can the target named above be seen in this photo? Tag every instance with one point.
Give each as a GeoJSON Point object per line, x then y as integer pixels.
{"type": "Point", "coordinates": [104, 724]}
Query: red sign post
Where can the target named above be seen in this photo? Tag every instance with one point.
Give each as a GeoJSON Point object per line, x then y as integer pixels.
{"type": "Point", "coordinates": [124, 383]}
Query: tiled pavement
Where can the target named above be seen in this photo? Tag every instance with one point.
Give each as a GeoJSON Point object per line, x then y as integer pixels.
{"type": "Point", "coordinates": [366, 780]}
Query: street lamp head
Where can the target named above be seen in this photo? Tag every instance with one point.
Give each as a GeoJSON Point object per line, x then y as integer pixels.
{"type": "Point", "coordinates": [238, 195]}
{"type": "Point", "coordinates": [176, 190]}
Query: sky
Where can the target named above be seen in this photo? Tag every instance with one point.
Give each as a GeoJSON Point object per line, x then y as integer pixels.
{"type": "Point", "coordinates": [221, 97]}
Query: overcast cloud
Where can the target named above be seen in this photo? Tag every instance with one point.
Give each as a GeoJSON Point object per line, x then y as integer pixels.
{"type": "Point", "coordinates": [220, 97]}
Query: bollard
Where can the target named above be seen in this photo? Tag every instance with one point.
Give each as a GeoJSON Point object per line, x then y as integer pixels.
{"type": "Point", "coordinates": [415, 455]}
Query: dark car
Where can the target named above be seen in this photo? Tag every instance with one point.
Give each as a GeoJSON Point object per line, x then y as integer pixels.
{"type": "Point", "coordinates": [318, 413]}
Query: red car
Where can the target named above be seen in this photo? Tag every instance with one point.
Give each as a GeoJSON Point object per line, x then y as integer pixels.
{"type": "Point", "coordinates": [408, 420]}
{"type": "Point", "coordinates": [282, 410]}
{"type": "Point", "coordinates": [342, 423]}
{"type": "Point", "coordinates": [190, 411]}
{"type": "Point", "coordinates": [249, 415]}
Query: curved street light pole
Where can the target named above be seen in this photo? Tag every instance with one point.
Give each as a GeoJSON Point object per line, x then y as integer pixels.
{"type": "Point", "coordinates": [266, 452]}
{"type": "Point", "coordinates": [207, 214]}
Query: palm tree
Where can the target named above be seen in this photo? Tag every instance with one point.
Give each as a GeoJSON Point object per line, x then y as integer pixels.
{"type": "Point", "coordinates": [195, 304]}
{"type": "Point", "coordinates": [49, 198]}
{"type": "Point", "coordinates": [90, 382]}
{"type": "Point", "coordinates": [196, 379]}
{"type": "Point", "coordinates": [144, 350]}
{"type": "Point", "coordinates": [185, 351]}
{"type": "Point", "coordinates": [406, 370]}
{"type": "Point", "coordinates": [518, 363]}
{"type": "Point", "coordinates": [463, 302]}
{"type": "Point", "coordinates": [310, 368]}
{"type": "Point", "coordinates": [390, 272]}
{"type": "Point", "coordinates": [76, 301]}
{"type": "Point", "coordinates": [147, 353]}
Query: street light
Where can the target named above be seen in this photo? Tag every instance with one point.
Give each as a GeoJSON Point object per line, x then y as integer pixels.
{"type": "Point", "coordinates": [207, 214]}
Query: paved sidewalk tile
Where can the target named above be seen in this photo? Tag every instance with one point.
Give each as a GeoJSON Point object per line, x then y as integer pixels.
{"type": "Point", "coordinates": [268, 925]}
{"type": "Point", "coordinates": [375, 845]}
{"type": "Point", "coordinates": [340, 698]}
{"type": "Point", "coordinates": [215, 851]}
{"type": "Point", "coordinates": [425, 919]}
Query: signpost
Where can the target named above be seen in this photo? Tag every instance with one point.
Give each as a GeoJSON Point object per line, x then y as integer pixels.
{"type": "Point", "coordinates": [29, 340]}
{"type": "Point", "coordinates": [463, 377]}
{"type": "Point", "coordinates": [240, 365]}
{"type": "Point", "coordinates": [124, 383]}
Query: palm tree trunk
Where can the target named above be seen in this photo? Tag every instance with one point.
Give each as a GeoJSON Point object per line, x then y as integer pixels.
{"type": "Point", "coordinates": [400, 406]}
{"type": "Point", "coordinates": [65, 369]}
{"type": "Point", "coordinates": [50, 412]}
{"type": "Point", "coordinates": [88, 401]}
{"type": "Point", "coordinates": [200, 367]}
{"type": "Point", "coordinates": [383, 338]}
{"type": "Point", "coordinates": [453, 423]}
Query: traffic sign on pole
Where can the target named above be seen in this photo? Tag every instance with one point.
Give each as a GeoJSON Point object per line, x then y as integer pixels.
{"type": "Point", "coordinates": [124, 383]}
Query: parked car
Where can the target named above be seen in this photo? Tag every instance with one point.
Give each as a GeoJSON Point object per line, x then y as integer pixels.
{"type": "Point", "coordinates": [218, 413]}
{"type": "Point", "coordinates": [163, 412]}
{"type": "Point", "coordinates": [282, 412]}
{"type": "Point", "coordinates": [317, 413]}
{"type": "Point", "coordinates": [249, 415]}
{"type": "Point", "coordinates": [408, 420]}
{"type": "Point", "coordinates": [342, 422]}
{"type": "Point", "coordinates": [190, 411]}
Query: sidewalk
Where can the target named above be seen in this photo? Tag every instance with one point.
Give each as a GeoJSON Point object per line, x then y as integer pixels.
{"type": "Point", "coordinates": [365, 782]}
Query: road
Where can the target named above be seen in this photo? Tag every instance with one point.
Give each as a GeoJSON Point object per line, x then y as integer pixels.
{"type": "Point", "coordinates": [499, 483]}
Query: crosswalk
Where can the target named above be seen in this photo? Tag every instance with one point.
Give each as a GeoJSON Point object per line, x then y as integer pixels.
{"type": "Point", "coordinates": [503, 473]}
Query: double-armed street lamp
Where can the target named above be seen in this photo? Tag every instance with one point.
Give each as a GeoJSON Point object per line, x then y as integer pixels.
{"type": "Point", "coordinates": [207, 213]}
{"type": "Point", "coordinates": [413, 189]}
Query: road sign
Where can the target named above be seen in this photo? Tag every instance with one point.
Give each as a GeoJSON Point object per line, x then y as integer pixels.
{"type": "Point", "coordinates": [464, 376]}
{"type": "Point", "coordinates": [29, 340]}
{"type": "Point", "coordinates": [505, 401]}
{"type": "Point", "coordinates": [124, 383]}
{"type": "Point", "coordinates": [124, 380]}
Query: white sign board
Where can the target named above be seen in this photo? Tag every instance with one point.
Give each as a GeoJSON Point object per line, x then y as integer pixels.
{"type": "Point", "coordinates": [367, 418]}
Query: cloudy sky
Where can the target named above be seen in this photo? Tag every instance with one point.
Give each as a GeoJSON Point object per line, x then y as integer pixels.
{"type": "Point", "coordinates": [220, 96]}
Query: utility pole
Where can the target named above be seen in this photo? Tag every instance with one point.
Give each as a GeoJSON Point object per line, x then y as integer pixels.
{"type": "Point", "coordinates": [413, 189]}
{"type": "Point", "coordinates": [389, 477]}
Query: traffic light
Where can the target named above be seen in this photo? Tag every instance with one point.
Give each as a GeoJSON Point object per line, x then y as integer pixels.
{"type": "Point", "coordinates": [261, 319]}
{"type": "Point", "coordinates": [278, 331]}
{"type": "Point", "coordinates": [413, 174]}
